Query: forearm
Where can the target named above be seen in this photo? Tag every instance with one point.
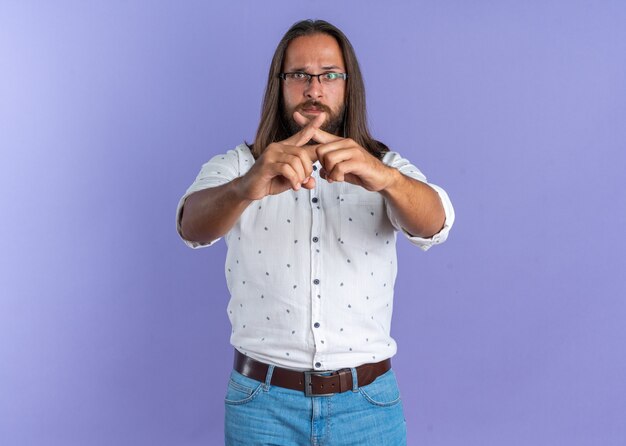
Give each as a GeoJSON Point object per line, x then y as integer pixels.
{"type": "Point", "coordinates": [416, 204]}
{"type": "Point", "coordinates": [210, 213]}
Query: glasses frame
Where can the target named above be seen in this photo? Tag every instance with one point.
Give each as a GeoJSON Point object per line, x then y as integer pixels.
{"type": "Point", "coordinates": [310, 76]}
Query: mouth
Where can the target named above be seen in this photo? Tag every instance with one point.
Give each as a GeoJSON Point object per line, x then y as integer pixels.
{"type": "Point", "coordinates": [312, 111]}
{"type": "Point", "coordinates": [313, 108]}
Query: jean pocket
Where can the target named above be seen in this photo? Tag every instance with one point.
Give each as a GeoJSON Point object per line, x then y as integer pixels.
{"type": "Point", "coordinates": [241, 389]}
{"type": "Point", "coordinates": [383, 391]}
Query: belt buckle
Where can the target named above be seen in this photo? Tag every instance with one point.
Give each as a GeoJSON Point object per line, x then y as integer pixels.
{"type": "Point", "coordinates": [307, 383]}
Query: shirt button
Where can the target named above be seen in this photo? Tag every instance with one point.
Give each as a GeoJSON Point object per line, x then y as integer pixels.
{"type": "Point", "coordinates": [314, 167]}
{"type": "Point", "coordinates": [316, 325]}
{"type": "Point", "coordinates": [318, 365]}
{"type": "Point", "coordinates": [314, 200]}
{"type": "Point", "coordinates": [316, 281]}
{"type": "Point", "coordinates": [315, 239]}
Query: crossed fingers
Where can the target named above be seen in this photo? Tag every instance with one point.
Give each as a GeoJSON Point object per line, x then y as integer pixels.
{"type": "Point", "coordinates": [293, 160]}
{"type": "Point", "coordinates": [308, 131]}
{"type": "Point", "coordinates": [342, 159]}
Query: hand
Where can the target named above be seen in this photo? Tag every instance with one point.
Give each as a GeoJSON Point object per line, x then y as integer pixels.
{"type": "Point", "coordinates": [283, 165]}
{"type": "Point", "coordinates": [342, 159]}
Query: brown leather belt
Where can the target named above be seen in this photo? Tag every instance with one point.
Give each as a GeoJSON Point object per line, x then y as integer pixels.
{"type": "Point", "coordinates": [312, 383]}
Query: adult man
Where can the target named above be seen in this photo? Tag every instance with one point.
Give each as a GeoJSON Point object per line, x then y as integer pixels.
{"type": "Point", "coordinates": [310, 214]}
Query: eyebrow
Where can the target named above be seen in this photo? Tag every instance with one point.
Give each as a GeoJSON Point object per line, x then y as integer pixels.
{"type": "Point", "coordinates": [325, 68]}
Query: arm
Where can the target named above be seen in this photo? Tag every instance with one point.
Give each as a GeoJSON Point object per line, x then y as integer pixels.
{"type": "Point", "coordinates": [416, 204]}
{"type": "Point", "coordinates": [210, 213]}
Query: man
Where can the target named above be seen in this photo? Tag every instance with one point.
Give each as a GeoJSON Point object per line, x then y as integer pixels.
{"type": "Point", "coordinates": [310, 214]}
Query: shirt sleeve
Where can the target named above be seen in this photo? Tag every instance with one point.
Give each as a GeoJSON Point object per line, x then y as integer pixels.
{"type": "Point", "coordinates": [220, 169]}
{"type": "Point", "coordinates": [394, 160]}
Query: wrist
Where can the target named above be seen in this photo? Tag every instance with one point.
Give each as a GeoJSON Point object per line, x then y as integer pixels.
{"type": "Point", "coordinates": [240, 190]}
{"type": "Point", "coordinates": [392, 182]}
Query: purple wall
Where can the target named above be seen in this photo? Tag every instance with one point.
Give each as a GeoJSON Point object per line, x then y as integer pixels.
{"type": "Point", "coordinates": [112, 332]}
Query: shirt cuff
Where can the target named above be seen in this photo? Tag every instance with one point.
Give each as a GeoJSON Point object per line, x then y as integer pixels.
{"type": "Point", "coordinates": [179, 214]}
{"type": "Point", "coordinates": [426, 243]}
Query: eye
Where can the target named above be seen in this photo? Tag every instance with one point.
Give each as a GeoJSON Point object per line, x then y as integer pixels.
{"type": "Point", "coordinates": [299, 76]}
{"type": "Point", "coordinates": [330, 76]}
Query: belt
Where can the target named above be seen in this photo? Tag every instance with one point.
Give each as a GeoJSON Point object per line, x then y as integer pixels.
{"type": "Point", "coordinates": [312, 383]}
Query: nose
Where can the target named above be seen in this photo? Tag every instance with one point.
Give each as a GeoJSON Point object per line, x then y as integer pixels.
{"type": "Point", "coordinates": [314, 89]}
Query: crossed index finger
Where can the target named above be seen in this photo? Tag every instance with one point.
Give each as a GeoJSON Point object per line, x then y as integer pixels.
{"type": "Point", "coordinates": [324, 137]}
{"type": "Point", "coordinates": [303, 136]}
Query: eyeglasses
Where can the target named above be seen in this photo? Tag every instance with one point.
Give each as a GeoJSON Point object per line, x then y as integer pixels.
{"type": "Point", "coordinates": [301, 78]}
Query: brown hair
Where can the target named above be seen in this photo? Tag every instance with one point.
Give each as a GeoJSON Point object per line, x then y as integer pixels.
{"type": "Point", "coordinates": [272, 127]}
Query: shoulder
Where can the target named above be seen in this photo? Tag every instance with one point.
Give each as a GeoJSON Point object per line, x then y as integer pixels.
{"type": "Point", "coordinates": [225, 167]}
{"type": "Point", "coordinates": [397, 161]}
{"type": "Point", "coordinates": [245, 157]}
{"type": "Point", "coordinates": [393, 158]}
{"type": "Point", "coordinates": [233, 157]}
{"type": "Point", "coordinates": [243, 149]}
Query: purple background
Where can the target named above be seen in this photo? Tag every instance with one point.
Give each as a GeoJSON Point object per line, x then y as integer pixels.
{"type": "Point", "coordinates": [112, 332]}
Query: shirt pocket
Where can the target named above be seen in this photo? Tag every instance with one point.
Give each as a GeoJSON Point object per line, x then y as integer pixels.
{"type": "Point", "coordinates": [363, 221]}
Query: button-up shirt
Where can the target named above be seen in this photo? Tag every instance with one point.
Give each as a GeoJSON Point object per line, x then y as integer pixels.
{"type": "Point", "coordinates": [311, 272]}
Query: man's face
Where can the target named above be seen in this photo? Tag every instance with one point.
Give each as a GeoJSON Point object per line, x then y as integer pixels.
{"type": "Point", "coordinates": [314, 54]}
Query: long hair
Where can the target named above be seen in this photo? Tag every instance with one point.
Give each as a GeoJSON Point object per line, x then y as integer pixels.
{"type": "Point", "coordinates": [272, 127]}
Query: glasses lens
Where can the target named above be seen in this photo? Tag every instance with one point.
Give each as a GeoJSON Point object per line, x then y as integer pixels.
{"type": "Point", "coordinates": [329, 77]}
{"type": "Point", "coordinates": [297, 78]}
{"type": "Point", "coordinates": [300, 78]}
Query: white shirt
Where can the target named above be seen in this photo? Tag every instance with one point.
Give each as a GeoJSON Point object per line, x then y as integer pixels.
{"type": "Point", "coordinates": [311, 273]}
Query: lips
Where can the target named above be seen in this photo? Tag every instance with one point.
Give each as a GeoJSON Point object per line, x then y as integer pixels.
{"type": "Point", "coordinates": [313, 108]}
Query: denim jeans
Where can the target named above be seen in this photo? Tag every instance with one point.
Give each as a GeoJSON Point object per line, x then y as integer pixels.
{"type": "Point", "coordinates": [261, 414]}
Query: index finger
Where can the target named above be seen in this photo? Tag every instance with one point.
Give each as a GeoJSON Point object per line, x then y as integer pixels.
{"type": "Point", "coordinates": [324, 137]}
{"type": "Point", "coordinates": [307, 132]}
{"type": "Point", "coordinates": [311, 151]}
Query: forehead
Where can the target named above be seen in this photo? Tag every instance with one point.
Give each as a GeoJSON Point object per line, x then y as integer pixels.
{"type": "Point", "coordinates": [313, 51]}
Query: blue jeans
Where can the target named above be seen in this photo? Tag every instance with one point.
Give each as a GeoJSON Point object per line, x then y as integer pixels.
{"type": "Point", "coordinates": [260, 414]}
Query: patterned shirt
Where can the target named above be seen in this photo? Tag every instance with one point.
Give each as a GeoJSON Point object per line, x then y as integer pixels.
{"type": "Point", "coordinates": [311, 273]}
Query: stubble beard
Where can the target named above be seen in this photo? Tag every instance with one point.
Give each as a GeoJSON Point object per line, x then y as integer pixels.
{"type": "Point", "coordinates": [333, 123]}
